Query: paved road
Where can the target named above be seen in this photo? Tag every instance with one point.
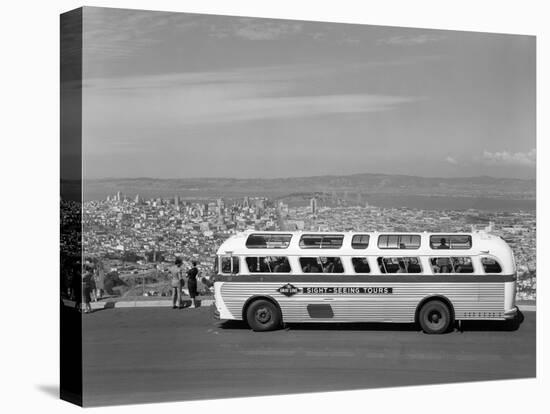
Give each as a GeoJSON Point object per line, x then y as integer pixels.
{"type": "Point", "coordinates": [158, 354]}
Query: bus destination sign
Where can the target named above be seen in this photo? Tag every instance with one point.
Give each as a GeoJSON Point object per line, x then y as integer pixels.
{"type": "Point", "coordinates": [347, 290]}
{"type": "Point", "coordinates": [289, 290]}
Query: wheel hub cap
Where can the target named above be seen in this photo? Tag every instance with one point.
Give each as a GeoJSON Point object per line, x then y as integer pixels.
{"type": "Point", "coordinates": [263, 315]}
{"type": "Point", "coordinates": [435, 317]}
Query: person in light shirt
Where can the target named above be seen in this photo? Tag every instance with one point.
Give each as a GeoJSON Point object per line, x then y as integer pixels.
{"type": "Point", "coordinates": [176, 283]}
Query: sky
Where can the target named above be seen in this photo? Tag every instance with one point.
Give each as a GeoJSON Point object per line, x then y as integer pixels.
{"type": "Point", "coordinates": [176, 95]}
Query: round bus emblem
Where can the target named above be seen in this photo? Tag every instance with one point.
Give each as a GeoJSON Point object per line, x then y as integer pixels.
{"type": "Point", "coordinates": [288, 290]}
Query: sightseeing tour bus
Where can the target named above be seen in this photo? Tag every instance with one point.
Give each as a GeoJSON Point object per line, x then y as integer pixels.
{"type": "Point", "coordinates": [433, 279]}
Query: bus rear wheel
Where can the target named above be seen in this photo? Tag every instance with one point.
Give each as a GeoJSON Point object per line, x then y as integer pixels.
{"type": "Point", "coordinates": [263, 315]}
{"type": "Point", "coordinates": [435, 317]}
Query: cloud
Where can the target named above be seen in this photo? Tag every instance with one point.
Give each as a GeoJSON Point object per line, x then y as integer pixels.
{"type": "Point", "coordinates": [256, 29]}
{"type": "Point", "coordinates": [258, 107]}
{"type": "Point", "coordinates": [527, 159]}
{"type": "Point", "coordinates": [110, 33]}
{"type": "Point", "coordinates": [451, 160]}
{"type": "Point", "coordinates": [207, 99]}
{"type": "Point", "coordinates": [411, 40]}
{"type": "Point", "coordinates": [281, 76]}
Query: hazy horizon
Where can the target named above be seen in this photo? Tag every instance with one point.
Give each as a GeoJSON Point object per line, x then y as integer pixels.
{"type": "Point", "coordinates": [176, 96]}
{"type": "Point", "coordinates": [303, 176]}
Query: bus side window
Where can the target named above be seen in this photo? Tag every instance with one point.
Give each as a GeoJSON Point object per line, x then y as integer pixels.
{"type": "Point", "coordinates": [443, 265]}
{"type": "Point", "coordinates": [281, 265]}
{"type": "Point", "coordinates": [381, 265]}
{"type": "Point", "coordinates": [321, 265]}
{"type": "Point", "coordinates": [490, 265]}
{"type": "Point", "coordinates": [268, 264]}
{"type": "Point", "coordinates": [463, 265]}
{"type": "Point", "coordinates": [226, 264]}
{"type": "Point", "coordinates": [414, 265]}
{"type": "Point", "coordinates": [399, 265]}
{"type": "Point", "coordinates": [446, 264]}
{"type": "Point", "coordinates": [309, 265]}
{"type": "Point", "coordinates": [360, 265]}
{"type": "Point", "coordinates": [390, 265]}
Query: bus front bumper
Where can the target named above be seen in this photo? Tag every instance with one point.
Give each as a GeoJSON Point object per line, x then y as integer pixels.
{"type": "Point", "coordinates": [512, 313]}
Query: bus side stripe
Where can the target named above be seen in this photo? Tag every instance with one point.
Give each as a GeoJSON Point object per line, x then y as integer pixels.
{"type": "Point", "coordinates": [335, 278]}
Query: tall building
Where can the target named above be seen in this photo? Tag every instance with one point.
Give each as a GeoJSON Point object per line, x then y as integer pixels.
{"type": "Point", "coordinates": [260, 203]}
{"type": "Point", "coordinates": [118, 196]}
{"type": "Point", "coordinates": [176, 201]}
{"type": "Point", "coordinates": [220, 206]}
{"type": "Point", "coordinates": [313, 205]}
{"type": "Point", "coordinates": [246, 202]}
{"type": "Point", "coordinates": [137, 200]}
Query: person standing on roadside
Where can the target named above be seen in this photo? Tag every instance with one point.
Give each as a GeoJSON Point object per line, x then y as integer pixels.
{"type": "Point", "coordinates": [87, 285]}
{"type": "Point", "coordinates": [177, 283]}
{"type": "Point", "coordinates": [192, 283]}
{"type": "Point", "coordinates": [99, 280]}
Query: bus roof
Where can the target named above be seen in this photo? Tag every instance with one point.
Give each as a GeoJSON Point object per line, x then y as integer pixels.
{"type": "Point", "coordinates": [481, 242]}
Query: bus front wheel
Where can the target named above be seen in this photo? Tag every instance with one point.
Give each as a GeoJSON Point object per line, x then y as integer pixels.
{"type": "Point", "coordinates": [435, 317]}
{"type": "Point", "coordinates": [263, 315]}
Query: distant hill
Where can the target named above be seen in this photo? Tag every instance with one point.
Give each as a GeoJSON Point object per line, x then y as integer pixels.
{"type": "Point", "coordinates": [363, 185]}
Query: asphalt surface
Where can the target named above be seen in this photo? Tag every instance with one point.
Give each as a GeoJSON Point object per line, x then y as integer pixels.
{"type": "Point", "coordinates": [145, 355]}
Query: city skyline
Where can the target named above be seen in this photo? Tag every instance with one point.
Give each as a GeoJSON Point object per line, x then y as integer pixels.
{"type": "Point", "coordinates": [175, 95]}
{"type": "Point", "coordinates": [194, 229]}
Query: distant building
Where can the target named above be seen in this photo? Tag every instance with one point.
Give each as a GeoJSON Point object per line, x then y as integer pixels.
{"type": "Point", "coordinates": [283, 208]}
{"type": "Point", "coordinates": [260, 203]}
{"type": "Point", "coordinates": [313, 205]}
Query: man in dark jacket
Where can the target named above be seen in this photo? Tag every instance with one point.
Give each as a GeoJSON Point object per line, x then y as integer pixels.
{"type": "Point", "coordinates": [192, 283]}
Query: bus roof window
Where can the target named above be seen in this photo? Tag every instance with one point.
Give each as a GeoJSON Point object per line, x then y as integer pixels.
{"type": "Point", "coordinates": [451, 242]}
{"type": "Point", "coordinates": [268, 241]}
{"type": "Point", "coordinates": [399, 241]}
{"type": "Point", "coordinates": [321, 241]}
{"type": "Point", "coordinates": [360, 241]}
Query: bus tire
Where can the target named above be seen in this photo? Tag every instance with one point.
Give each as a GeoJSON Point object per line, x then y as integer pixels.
{"type": "Point", "coordinates": [263, 315]}
{"type": "Point", "coordinates": [435, 317]}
